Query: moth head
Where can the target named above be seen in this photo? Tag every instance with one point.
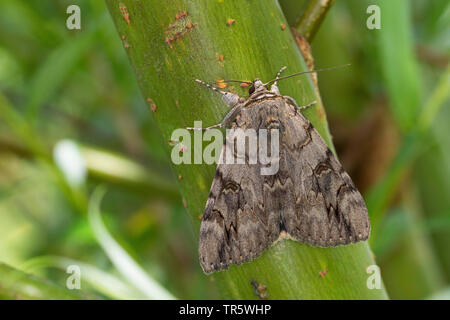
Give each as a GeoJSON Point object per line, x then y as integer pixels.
{"type": "Point", "coordinates": [257, 86]}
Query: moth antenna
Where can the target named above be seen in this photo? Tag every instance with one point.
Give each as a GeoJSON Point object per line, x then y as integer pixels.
{"type": "Point", "coordinates": [229, 98]}
{"type": "Point", "coordinates": [299, 73]}
{"type": "Point", "coordinates": [210, 87]}
{"type": "Point", "coordinates": [278, 75]}
{"type": "Point", "coordinates": [239, 81]}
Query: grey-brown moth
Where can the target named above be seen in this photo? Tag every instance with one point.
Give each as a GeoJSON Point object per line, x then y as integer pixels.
{"type": "Point", "coordinates": [311, 199]}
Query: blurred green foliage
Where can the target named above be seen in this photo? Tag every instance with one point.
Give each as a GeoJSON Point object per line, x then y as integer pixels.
{"type": "Point", "coordinates": [388, 113]}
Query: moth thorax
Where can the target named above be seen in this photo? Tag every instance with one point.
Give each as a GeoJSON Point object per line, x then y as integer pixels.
{"type": "Point", "coordinates": [274, 89]}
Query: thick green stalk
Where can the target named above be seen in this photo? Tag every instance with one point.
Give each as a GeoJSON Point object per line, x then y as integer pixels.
{"type": "Point", "coordinates": [224, 39]}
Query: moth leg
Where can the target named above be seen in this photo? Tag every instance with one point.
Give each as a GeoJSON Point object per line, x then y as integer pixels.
{"type": "Point", "coordinates": [219, 125]}
{"type": "Point", "coordinates": [228, 118]}
{"type": "Point", "coordinates": [232, 114]}
{"type": "Point", "coordinates": [230, 99]}
{"type": "Point", "coordinates": [306, 106]}
{"type": "Point", "coordinates": [292, 102]}
{"type": "Point", "coordinates": [274, 87]}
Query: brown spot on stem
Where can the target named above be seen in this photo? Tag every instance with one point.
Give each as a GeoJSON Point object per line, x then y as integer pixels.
{"type": "Point", "coordinates": [177, 30]}
{"type": "Point", "coordinates": [305, 49]}
{"type": "Point", "coordinates": [125, 14]}
{"type": "Point", "coordinates": [178, 35]}
{"type": "Point", "coordinates": [323, 273]}
{"type": "Point", "coordinates": [321, 112]}
{"type": "Point", "coordinates": [259, 290]}
{"type": "Point", "coordinates": [220, 84]}
{"type": "Point", "coordinates": [151, 104]}
{"type": "Point", "coordinates": [230, 22]}
{"type": "Point", "coordinates": [283, 27]}
{"type": "Point", "coordinates": [181, 15]}
{"type": "Point", "coordinates": [125, 43]}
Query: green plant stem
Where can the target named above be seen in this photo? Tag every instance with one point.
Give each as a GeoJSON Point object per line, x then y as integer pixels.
{"type": "Point", "coordinates": [312, 17]}
{"type": "Point", "coordinates": [17, 285]}
{"type": "Point", "coordinates": [168, 52]}
{"type": "Point", "coordinates": [292, 9]}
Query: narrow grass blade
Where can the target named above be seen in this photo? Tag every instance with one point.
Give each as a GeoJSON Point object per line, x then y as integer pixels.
{"type": "Point", "coordinates": [102, 281]}
{"type": "Point", "coordinates": [129, 269]}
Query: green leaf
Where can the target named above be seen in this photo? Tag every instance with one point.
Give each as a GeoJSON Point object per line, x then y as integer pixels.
{"type": "Point", "coordinates": [398, 63]}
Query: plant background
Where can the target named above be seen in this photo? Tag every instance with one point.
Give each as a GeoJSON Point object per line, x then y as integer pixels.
{"type": "Point", "coordinates": [388, 114]}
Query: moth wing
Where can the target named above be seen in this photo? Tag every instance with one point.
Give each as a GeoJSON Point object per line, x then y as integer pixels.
{"type": "Point", "coordinates": [240, 220]}
{"type": "Point", "coordinates": [236, 227]}
{"type": "Point", "coordinates": [329, 210]}
{"type": "Point", "coordinates": [310, 198]}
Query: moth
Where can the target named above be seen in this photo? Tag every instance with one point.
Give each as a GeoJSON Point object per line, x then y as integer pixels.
{"type": "Point", "coordinates": [311, 199]}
